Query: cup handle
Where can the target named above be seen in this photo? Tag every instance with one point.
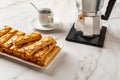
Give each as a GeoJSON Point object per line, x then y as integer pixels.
{"type": "Point", "coordinates": [50, 19]}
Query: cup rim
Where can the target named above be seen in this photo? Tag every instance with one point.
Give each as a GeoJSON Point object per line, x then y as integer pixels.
{"type": "Point", "coordinates": [44, 9]}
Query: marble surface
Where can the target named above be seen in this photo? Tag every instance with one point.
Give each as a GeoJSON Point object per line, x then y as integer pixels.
{"type": "Point", "coordinates": [78, 61]}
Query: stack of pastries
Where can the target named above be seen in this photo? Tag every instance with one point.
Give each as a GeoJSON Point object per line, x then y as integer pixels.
{"type": "Point", "coordinates": [31, 47]}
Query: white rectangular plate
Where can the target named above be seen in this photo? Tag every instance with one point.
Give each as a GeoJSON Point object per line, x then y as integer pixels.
{"type": "Point", "coordinates": [33, 64]}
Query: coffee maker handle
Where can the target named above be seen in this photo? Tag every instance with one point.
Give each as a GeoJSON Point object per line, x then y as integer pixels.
{"type": "Point", "coordinates": [110, 6]}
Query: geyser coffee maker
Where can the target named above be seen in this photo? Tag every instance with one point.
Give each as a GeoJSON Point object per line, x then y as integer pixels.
{"type": "Point", "coordinates": [93, 32]}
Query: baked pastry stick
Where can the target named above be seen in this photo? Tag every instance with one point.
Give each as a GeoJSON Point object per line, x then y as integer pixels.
{"type": "Point", "coordinates": [49, 56]}
{"type": "Point", "coordinates": [7, 36]}
{"type": "Point", "coordinates": [20, 52]}
{"type": "Point", "coordinates": [41, 54]}
{"type": "Point", "coordinates": [27, 38]}
{"type": "Point", "coordinates": [9, 43]}
{"type": "Point", "coordinates": [6, 46]}
{"type": "Point", "coordinates": [31, 49]}
{"type": "Point", "coordinates": [5, 30]}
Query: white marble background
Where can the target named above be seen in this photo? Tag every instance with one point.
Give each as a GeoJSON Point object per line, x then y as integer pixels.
{"type": "Point", "coordinates": [78, 62]}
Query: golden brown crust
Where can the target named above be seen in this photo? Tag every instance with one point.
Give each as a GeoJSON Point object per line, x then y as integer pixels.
{"type": "Point", "coordinates": [28, 47]}
{"type": "Point", "coordinates": [34, 36]}
{"type": "Point", "coordinates": [21, 51]}
{"type": "Point", "coordinates": [7, 36]}
{"type": "Point", "coordinates": [6, 50]}
{"type": "Point", "coordinates": [29, 50]}
{"type": "Point", "coordinates": [49, 56]}
{"type": "Point", "coordinates": [5, 30]}
{"type": "Point", "coordinates": [9, 43]}
{"type": "Point", "coordinates": [41, 54]}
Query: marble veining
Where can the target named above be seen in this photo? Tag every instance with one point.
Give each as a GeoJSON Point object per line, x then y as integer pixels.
{"type": "Point", "coordinates": [13, 4]}
{"type": "Point", "coordinates": [22, 73]}
{"type": "Point", "coordinates": [79, 62]}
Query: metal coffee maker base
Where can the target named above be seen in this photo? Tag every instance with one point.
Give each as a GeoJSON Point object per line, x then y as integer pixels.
{"type": "Point", "coordinates": [77, 36]}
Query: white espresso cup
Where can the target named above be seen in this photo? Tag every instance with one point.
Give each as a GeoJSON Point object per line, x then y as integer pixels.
{"type": "Point", "coordinates": [45, 17]}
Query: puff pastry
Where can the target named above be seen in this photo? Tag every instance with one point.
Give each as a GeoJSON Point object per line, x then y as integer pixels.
{"type": "Point", "coordinates": [5, 30]}
{"type": "Point", "coordinates": [9, 43]}
{"type": "Point", "coordinates": [7, 36]}
{"type": "Point", "coordinates": [20, 52]}
{"type": "Point", "coordinates": [29, 50]}
{"type": "Point", "coordinates": [41, 54]}
{"type": "Point", "coordinates": [30, 47]}
{"type": "Point", "coordinates": [49, 56]}
{"type": "Point", "coordinates": [27, 38]}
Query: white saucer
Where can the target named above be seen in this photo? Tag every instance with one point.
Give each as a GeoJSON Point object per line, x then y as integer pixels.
{"type": "Point", "coordinates": [36, 24]}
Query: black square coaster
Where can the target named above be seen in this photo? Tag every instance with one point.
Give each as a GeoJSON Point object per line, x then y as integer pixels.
{"type": "Point", "coordinates": [77, 36]}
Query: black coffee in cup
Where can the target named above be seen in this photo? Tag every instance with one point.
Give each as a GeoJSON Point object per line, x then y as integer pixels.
{"type": "Point", "coordinates": [45, 11]}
